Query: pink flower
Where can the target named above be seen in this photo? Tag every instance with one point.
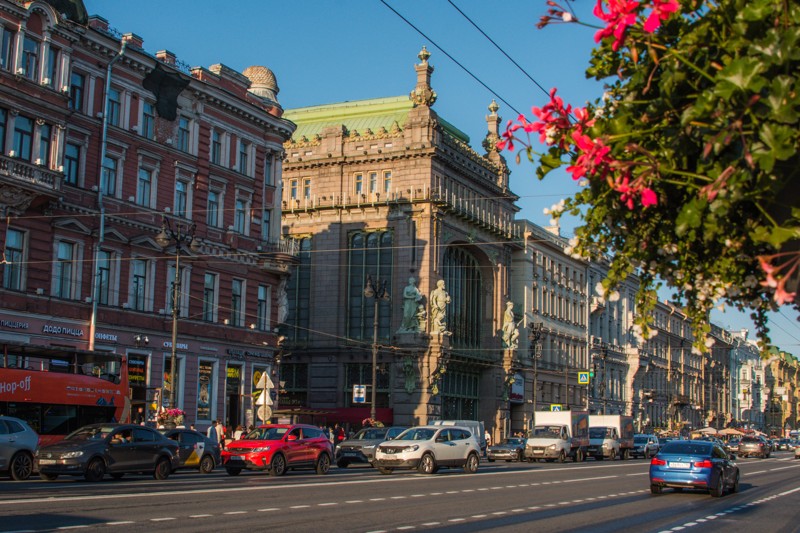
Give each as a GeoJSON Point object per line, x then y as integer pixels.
{"type": "Point", "coordinates": [649, 197]}
{"type": "Point", "coordinates": [621, 14]}
{"type": "Point", "coordinates": [662, 9]}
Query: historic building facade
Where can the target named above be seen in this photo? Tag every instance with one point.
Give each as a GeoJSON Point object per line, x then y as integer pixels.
{"type": "Point", "coordinates": [111, 160]}
{"type": "Point", "coordinates": [385, 192]}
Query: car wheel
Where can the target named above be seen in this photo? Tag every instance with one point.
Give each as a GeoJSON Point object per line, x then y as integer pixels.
{"type": "Point", "coordinates": [612, 455]}
{"type": "Point", "coordinates": [578, 458]}
{"type": "Point", "coordinates": [163, 469]}
{"type": "Point", "coordinates": [342, 464]}
{"type": "Point", "coordinates": [655, 489]}
{"type": "Point", "coordinates": [735, 486]}
{"type": "Point", "coordinates": [95, 471]}
{"type": "Point", "coordinates": [646, 455]}
{"type": "Point", "coordinates": [562, 457]}
{"type": "Point", "coordinates": [490, 460]}
{"type": "Point", "coordinates": [278, 465]}
{"type": "Point", "coordinates": [471, 466]}
{"type": "Point", "coordinates": [48, 477]}
{"type": "Point", "coordinates": [427, 465]}
{"type": "Point", "coordinates": [233, 471]}
{"type": "Point", "coordinates": [385, 471]}
{"type": "Point", "coordinates": [518, 456]}
{"type": "Point", "coordinates": [21, 466]}
{"type": "Point", "coordinates": [207, 464]}
{"type": "Point", "coordinates": [323, 464]}
{"type": "Point", "coordinates": [719, 487]}
{"type": "Point", "coordinates": [117, 475]}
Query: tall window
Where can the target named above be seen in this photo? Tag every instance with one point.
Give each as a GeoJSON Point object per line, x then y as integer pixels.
{"type": "Point", "coordinates": [139, 284]}
{"type": "Point", "coordinates": [7, 57]}
{"type": "Point", "coordinates": [463, 280]}
{"type": "Point", "coordinates": [23, 137]}
{"type": "Point", "coordinates": [104, 276]}
{"type": "Point", "coordinates": [114, 107]}
{"type": "Point", "coordinates": [216, 147]}
{"type": "Point", "coordinates": [293, 189]}
{"type": "Point", "coordinates": [373, 182]}
{"type": "Point", "coordinates": [387, 181]}
{"type": "Point", "coordinates": [76, 89]}
{"type": "Point", "coordinates": [144, 187]}
{"type": "Point", "coordinates": [244, 163]}
{"type": "Point", "coordinates": [298, 291]}
{"type": "Point", "coordinates": [268, 170]}
{"type": "Point", "coordinates": [181, 198]}
{"type": "Point", "coordinates": [108, 181]}
{"type": "Point", "coordinates": [149, 120]}
{"type": "Point", "coordinates": [30, 58]}
{"type": "Point", "coordinates": [264, 307]}
{"type": "Point", "coordinates": [212, 209]}
{"type": "Point", "coordinates": [370, 254]}
{"type": "Point", "coordinates": [359, 183]}
{"type": "Point", "coordinates": [3, 121]}
{"type": "Point", "coordinates": [44, 144]}
{"type": "Point", "coordinates": [52, 66]}
{"type": "Point", "coordinates": [266, 217]}
{"type": "Point", "coordinates": [240, 216]}
{"type": "Point", "coordinates": [307, 188]}
{"type": "Point", "coordinates": [14, 267]}
{"type": "Point", "coordinates": [183, 134]}
{"type": "Point", "coordinates": [72, 162]}
{"type": "Point", "coordinates": [210, 297]}
{"type": "Point", "coordinates": [65, 270]}
{"type": "Point", "coordinates": [237, 311]}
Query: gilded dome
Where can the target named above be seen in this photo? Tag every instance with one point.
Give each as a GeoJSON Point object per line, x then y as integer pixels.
{"type": "Point", "coordinates": [263, 82]}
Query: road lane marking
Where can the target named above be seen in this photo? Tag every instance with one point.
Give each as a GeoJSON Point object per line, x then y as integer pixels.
{"type": "Point", "coordinates": [240, 512]}
{"type": "Point", "coordinates": [326, 504]}
{"type": "Point", "coordinates": [165, 519]}
{"type": "Point", "coordinates": [122, 522]}
{"type": "Point", "coordinates": [198, 516]}
{"type": "Point", "coordinates": [268, 510]}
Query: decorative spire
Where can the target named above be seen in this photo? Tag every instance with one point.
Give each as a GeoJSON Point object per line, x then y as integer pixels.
{"type": "Point", "coordinates": [423, 94]}
{"type": "Point", "coordinates": [493, 128]}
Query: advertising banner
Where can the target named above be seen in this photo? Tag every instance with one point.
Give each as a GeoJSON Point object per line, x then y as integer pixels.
{"type": "Point", "coordinates": [205, 389]}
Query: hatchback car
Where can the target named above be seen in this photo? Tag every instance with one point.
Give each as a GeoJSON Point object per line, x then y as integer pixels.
{"type": "Point", "coordinates": [754, 447]}
{"type": "Point", "coordinates": [278, 448]}
{"type": "Point", "coordinates": [692, 464]}
{"type": "Point", "coordinates": [360, 448]}
{"type": "Point", "coordinates": [195, 450]}
{"type": "Point", "coordinates": [428, 448]}
{"type": "Point", "coordinates": [18, 443]}
{"type": "Point", "coordinates": [511, 449]}
{"type": "Point", "coordinates": [116, 449]}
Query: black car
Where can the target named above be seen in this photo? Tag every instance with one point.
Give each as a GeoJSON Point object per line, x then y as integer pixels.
{"type": "Point", "coordinates": [511, 449]}
{"type": "Point", "coordinates": [195, 450]}
{"type": "Point", "coordinates": [117, 449]}
{"type": "Point", "coordinates": [360, 448]}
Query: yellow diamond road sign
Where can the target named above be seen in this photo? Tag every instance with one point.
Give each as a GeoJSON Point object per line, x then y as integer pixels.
{"type": "Point", "coordinates": [583, 378]}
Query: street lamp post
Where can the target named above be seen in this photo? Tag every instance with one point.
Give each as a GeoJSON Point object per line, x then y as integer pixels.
{"type": "Point", "coordinates": [181, 235]}
{"type": "Point", "coordinates": [378, 291]}
{"type": "Point", "coordinates": [535, 337]}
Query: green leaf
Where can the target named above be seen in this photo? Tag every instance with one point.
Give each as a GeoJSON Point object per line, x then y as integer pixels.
{"type": "Point", "coordinates": [742, 74]}
{"type": "Point", "coordinates": [780, 139]}
{"type": "Point", "coordinates": [690, 216]}
{"type": "Point", "coordinates": [782, 99]}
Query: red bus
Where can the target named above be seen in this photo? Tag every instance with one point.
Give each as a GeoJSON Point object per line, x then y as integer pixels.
{"type": "Point", "coordinates": [58, 390]}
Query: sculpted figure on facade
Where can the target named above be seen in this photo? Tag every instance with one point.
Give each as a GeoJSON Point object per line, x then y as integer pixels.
{"type": "Point", "coordinates": [411, 299]}
{"type": "Point", "coordinates": [438, 301]}
{"type": "Point", "coordinates": [510, 330]}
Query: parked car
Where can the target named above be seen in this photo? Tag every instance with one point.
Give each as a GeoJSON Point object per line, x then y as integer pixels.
{"type": "Point", "coordinates": [18, 443]}
{"type": "Point", "coordinates": [360, 448]}
{"type": "Point", "coordinates": [428, 448]}
{"type": "Point", "coordinates": [511, 449]}
{"type": "Point", "coordinates": [117, 449]}
{"type": "Point", "coordinates": [732, 446]}
{"type": "Point", "coordinates": [644, 445]}
{"type": "Point", "coordinates": [278, 448]}
{"type": "Point", "coordinates": [694, 464]}
{"type": "Point", "coordinates": [195, 450]}
{"type": "Point", "coordinates": [754, 447]}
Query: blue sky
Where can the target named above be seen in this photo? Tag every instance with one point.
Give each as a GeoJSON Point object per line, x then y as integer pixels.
{"type": "Point", "coordinates": [333, 51]}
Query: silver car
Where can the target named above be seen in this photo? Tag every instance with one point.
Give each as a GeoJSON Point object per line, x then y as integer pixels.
{"type": "Point", "coordinates": [360, 448]}
{"type": "Point", "coordinates": [428, 448]}
{"type": "Point", "coordinates": [18, 442]}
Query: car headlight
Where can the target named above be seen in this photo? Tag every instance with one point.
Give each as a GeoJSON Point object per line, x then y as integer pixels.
{"type": "Point", "coordinates": [551, 447]}
{"type": "Point", "coordinates": [368, 447]}
{"type": "Point", "coordinates": [414, 448]}
{"type": "Point", "coordinates": [71, 455]}
{"type": "Point", "coordinates": [263, 449]}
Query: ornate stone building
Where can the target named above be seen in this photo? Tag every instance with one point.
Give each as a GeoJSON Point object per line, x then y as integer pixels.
{"type": "Point", "coordinates": [382, 191]}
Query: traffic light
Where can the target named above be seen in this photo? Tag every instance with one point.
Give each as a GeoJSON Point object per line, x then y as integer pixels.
{"type": "Point", "coordinates": [592, 371]}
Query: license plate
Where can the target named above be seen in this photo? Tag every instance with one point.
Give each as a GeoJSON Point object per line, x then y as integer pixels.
{"type": "Point", "coordinates": [350, 454]}
{"type": "Point", "coordinates": [47, 461]}
{"type": "Point", "coordinates": [680, 465]}
{"type": "Point", "coordinates": [539, 452]}
{"type": "Point", "coordinates": [236, 458]}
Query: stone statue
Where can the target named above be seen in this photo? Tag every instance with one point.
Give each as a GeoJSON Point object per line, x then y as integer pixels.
{"type": "Point", "coordinates": [422, 318]}
{"type": "Point", "coordinates": [411, 298]}
{"type": "Point", "coordinates": [438, 301]}
{"type": "Point", "coordinates": [510, 331]}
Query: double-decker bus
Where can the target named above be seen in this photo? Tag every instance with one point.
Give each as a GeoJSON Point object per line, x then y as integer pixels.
{"type": "Point", "coordinates": [58, 390]}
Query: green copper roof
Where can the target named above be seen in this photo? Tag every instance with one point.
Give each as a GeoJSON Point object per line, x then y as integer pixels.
{"type": "Point", "coordinates": [359, 115]}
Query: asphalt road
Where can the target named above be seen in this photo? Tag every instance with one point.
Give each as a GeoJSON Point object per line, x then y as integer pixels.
{"type": "Point", "coordinates": [590, 496]}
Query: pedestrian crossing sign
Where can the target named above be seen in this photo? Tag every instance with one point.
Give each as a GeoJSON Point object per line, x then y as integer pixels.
{"type": "Point", "coordinates": [556, 407]}
{"type": "Point", "coordinates": [583, 378]}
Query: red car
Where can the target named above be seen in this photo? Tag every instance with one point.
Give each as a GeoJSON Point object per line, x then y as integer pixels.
{"type": "Point", "coordinates": [278, 448]}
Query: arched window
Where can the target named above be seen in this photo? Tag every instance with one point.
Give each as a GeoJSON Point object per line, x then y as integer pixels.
{"type": "Point", "coordinates": [462, 277]}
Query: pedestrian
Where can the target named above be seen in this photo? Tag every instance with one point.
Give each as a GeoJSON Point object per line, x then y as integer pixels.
{"type": "Point", "coordinates": [191, 426]}
{"type": "Point", "coordinates": [238, 433]}
{"type": "Point", "coordinates": [222, 434]}
{"type": "Point", "coordinates": [487, 437]}
{"type": "Point", "coordinates": [212, 433]}
{"type": "Point", "coordinates": [338, 434]}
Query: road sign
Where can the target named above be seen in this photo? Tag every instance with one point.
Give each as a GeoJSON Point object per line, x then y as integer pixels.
{"type": "Point", "coordinates": [583, 378]}
{"type": "Point", "coordinates": [359, 393]}
{"type": "Point", "coordinates": [556, 407]}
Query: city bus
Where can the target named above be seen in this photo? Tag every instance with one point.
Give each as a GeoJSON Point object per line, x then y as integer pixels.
{"type": "Point", "coordinates": [58, 390]}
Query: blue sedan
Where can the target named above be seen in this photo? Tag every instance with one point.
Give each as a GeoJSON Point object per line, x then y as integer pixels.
{"type": "Point", "coordinates": [694, 464]}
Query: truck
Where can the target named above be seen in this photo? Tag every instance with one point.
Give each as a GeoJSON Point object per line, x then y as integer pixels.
{"type": "Point", "coordinates": [556, 435]}
{"type": "Point", "coordinates": [610, 436]}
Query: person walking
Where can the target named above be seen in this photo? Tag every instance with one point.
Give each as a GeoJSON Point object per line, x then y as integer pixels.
{"type": "Point", "coordinates": [212, 433]}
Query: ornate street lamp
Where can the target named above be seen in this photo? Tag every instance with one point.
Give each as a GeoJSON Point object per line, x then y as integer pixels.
{"type": "Point", "coordinates": [378, 291]}
{"type": "Point", "coordinates": [535, 336]}
{"type": "Point", "coordinates": [179, 236]}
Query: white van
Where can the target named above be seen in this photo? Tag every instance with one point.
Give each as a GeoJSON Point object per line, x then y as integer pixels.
{"type": "Point", "coordinates": [475, 426]}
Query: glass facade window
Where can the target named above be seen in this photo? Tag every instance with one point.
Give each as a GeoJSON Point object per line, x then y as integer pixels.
{"type": "Point", "coordinates": [65, 270]}
{"type": "Point", "coordinates": [52, 67]}
{"type": "Point", "coordinates": [144, 187]}
{"type": "Point", "coordinates": [30, 58]}
{"type": "Point", "coordinates": [104, 277]}
{"type": "Point", "coordinates": [387, 181]}
{"type": "Point", "coordinates": [266, 217]}
{"type": "Point", "coordinates": [361, 373]}
{"type": "Point", "coordinates": [307, 188]}
{"type": "Point", "coordinates": [216, 147]}
{"type": "Point", "coordinates": [23, 137]}
{"type": "Point", "coordinates": [298, 291]}
{"type": "Point", "coordinates": [463, 279]}
{"type": "Point", "coordinates": [370, 254]}
{"type": "Point", "coordinates": [149, 120]}
{"type": "Point", "coordinates": [181, 199]}
{"type": "Point", "coordinates": [237, 311]}
{"type": "Point", "coordinates": [14, 266]}
{"type": "Point", "coordinates": [268, 170]}
{"type": "Point", "coordinates": [264, 307]}
{"type": "Point", "coordinates": [7, 52]}
{"type": "Point", "coordinates": [45, 143]}
{"type": "Point", "coordinates": [108, 181]}
{"type": "Point", "coordinates": [212, 209]}
{"type": "Point", "coordinates": [240, 216]}
{"type": "Point", "coordinates": [373, 182]}
{"type": "Point", "coordinates": [359, 184]}
{"type": "Point", "coordinates": [76, 90]}
{"type": "Point", "coordinates": [183, 134]}
{"type": "Point", "coordinates": [139, 284]}
{"type": "Point", "coordinates": [72, 162]}
{"type": "Point", "coordinates": [293, 189]}
{"type": "Point", "coordinates": [210, 297]}
{"type": "Point", "coordinates": [114, 107]}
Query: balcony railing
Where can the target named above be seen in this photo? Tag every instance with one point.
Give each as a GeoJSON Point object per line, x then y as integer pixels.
{"type": "Point", "coordinates": [26, 182]}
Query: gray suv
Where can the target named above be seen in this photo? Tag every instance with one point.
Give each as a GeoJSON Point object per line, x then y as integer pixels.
{"type": "Point", "coordinates": [18, 442]}
{"type": "Point", "coordinates": [754, 447]}
{"type": "Point", "coordinates": [360, 448]}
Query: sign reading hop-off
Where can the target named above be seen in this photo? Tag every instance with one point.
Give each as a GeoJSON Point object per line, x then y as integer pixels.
{"type": "Point", "coordinates": [359, 393]}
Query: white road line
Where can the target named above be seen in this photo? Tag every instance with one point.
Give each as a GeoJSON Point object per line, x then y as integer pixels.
{"type": "Point", "coordinates": [326, 504]}
{"type": "Point", "coordinates": [297, 507]}
{"type": "Point", "coordinates": [239, 512]}
{"type": "Point", "coordinates": [268, 510]}
{"type": "Point", "coordinates": [431, 523]}
{"type": "Point", "coordinates": [64, 528]}
{"type": "Point", "coordinates": [195, 516]}
{"type": "Point", "coordinates": [122, 522]}
{"type": "Point", "coordinates": [165, 519]}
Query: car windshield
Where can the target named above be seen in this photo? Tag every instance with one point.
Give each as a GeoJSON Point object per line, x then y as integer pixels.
{"type": "Point", "coordinates": [90, 433]}
{"type": "Point", "coordinates": [686, 448]}
{"type": "Point", "coordinates": [640, 440]}
{"type": "Point", "coordinates": [417, 434]}
{"type": "Point", "coordinates": [371, 434]}
{"type": "Point", "coordinates": [546, 432]}
{"type": "Point", "coordinates": [514, 441]}
{"type": "Point", "coordinates": [266, 434]}
{"type": "Point", "coordinates": [599, 433]}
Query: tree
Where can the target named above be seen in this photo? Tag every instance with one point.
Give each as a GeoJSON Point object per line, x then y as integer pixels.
{"type": "Point", "coordinates": [690, 159]}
